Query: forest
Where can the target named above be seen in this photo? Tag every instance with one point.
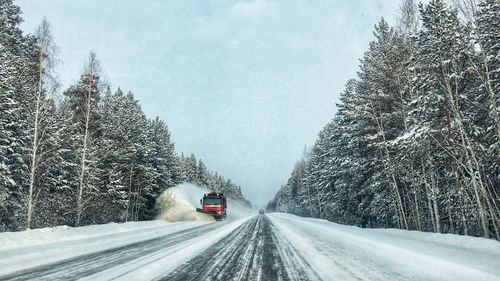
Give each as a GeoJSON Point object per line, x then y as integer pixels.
{"type": "Point", "coordinates": [415, 142]}
{"type": "Point", "coordinates": [88, 156]}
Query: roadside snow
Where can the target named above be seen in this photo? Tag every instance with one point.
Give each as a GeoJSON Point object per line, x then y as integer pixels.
{"type": "Point", "coordinates": [30, 248]}
{"type": "Point", "coordinates": [346, 252]}
{"type": "Point", "coordinates": [31, 237]}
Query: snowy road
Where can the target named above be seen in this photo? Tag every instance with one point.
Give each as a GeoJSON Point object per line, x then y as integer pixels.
{"type": "Point", "coordinates": [261, 247]}
{"type": "Point", "coordinates": [254, 251]}
{"type": "Point", "coordinates": [92, 263]}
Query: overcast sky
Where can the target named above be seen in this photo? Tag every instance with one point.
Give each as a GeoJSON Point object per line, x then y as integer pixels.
{"type": "Point", "coordinates": [244, 85]}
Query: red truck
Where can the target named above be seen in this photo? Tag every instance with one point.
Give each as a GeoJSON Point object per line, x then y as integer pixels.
{"type": "Point", "coordinates": [214, 204]}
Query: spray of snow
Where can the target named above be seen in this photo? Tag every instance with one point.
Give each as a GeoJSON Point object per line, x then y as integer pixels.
{"type": "Point", "coordinates": [236, 209]}
{"type": "Point", "coordinates": [179, 203]}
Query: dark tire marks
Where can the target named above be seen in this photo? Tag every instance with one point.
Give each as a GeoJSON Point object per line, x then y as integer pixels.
{"type": "Point", "coordinates": [254, 251]}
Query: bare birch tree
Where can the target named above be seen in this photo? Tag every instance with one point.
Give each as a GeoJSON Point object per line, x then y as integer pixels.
{"type": "Point", "coordinates": [46, 83]}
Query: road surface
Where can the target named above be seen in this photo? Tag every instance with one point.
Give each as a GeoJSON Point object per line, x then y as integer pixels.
{"type": "Point", "coordinates": [264, 247]}
{"type": "Point", "coordinates": [254, 251]}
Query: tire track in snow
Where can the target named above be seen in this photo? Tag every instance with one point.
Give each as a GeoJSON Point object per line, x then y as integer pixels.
{"type": "Point", "coordinates": [254, 251]}
{"type": "Point", "coordinates": [338, 260]}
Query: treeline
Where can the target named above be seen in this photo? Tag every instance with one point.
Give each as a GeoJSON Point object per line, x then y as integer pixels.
{"type": "Point", "coordinates": [90, 157]}
{"type": "Point", "coordinates": [197, 173]}
{"type": "Point", "coordinates": [415, 143]}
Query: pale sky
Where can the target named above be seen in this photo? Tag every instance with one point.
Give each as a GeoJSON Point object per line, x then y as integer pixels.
{"type": "Point", "coordinates": [244, 85]}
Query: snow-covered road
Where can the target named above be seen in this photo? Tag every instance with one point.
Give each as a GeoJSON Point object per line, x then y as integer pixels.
{"type": "Point", "coordinates": [254, 251]}
{"type": "Point", "coordinates": [256, 247]}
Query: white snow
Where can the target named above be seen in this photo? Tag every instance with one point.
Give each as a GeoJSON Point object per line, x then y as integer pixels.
{"type": "Point", "coordinates": [179, 203]}
{"type": "Point", "coordinates": [42, 236]}
{"type": "Point", "coordinates": [333, 251]}
{"type": "Point", "coordinates": [346, 252]}
{"type": "Point", "coordinates": [29, 248]}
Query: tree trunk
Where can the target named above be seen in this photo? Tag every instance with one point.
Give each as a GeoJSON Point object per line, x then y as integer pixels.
{"type": "Point", "coordinates": [464, 219]}
{"type": "Point", "coordinates": [320, 206]}
{"type": "Point", "coordinates": [434, 194]}
{"type": "Point", "coordinates": [429, 201]}
{"type": "Point", "coordinates": [472, 166]}
{"type": "Point", "coordinates": [129, 193]}
{"type": "Point", "coordinates": [450, 219]}
{"type": "Point", "coordinates": [454, 164]}
{"type": "Point", "coordinates": [35, 139]}
{"type": "Point", "coordinates": [417, 212]}
{"type": "Point", "coordinates": [79, 206]}
{"type": "Point", "coordinates": [390, 170]}
{"type": "Point", "coordinates": [431, 211]}
{"type": "Point", "coordinates": [137, 203]}
{"type": "Point", "coordinates": [435, 190]}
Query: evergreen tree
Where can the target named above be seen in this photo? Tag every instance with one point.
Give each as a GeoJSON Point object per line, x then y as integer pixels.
{"type": "Point", "coordinates": [202, 174]}
{"type": "Point", "coordinates": [18, 61]}
{"type": "Point", "coordinates": [412, 142]}
{"type": "Point", "coordinates": [84, 98]}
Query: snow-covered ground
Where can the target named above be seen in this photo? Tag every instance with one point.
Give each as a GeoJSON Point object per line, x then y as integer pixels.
{"type": "Point", "coordinates": [351, 253]}
{"type": "Point", "coordinates": [39, 247]}
{"type": "Point", "coordinates": [30, 248]}
{"type": "Point", "coordinates": [243, 247]}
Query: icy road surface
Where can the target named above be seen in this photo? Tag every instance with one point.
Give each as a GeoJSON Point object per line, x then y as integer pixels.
{"type": "Point", "coordinates": [261, 247]}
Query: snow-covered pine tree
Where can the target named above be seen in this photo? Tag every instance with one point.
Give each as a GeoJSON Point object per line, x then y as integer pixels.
{"type": "Point", "coordinates": [191, 169]}
{"type": "Point", "coordinates": [202, 174]}
{"type": "Point", "coordinates": [18, 55]}
{"type": "Point", "coordinates": [164, 161]}
{"type": "Point", "coordinates": [487, 62]}
{"type": "Point", "coordinates": [84, 97]}
{"type": "Point", "coordinates": [319, 182]}
{"type": "Point", "coordinates": [114, 158]}
{"type": "Point", "coordinates": [419, 121]}
{"type": "Point", "coordinates": [488, 38]}
{"type": "Point", "coordinates": [349, 153]}
{"type": "Point", "coordinates": [380, 77]}
{"type": "Point", "coordinates": [443, 54]}
{"type": "Point", "coordinates": [60, 172]}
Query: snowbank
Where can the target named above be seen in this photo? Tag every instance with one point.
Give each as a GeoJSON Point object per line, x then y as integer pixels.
{"type": "Point", "coordinates": [29, 248]}
{"type": "Point", "coordinates": [64, 233]}
{"type": "Point", "coordinates": [179, 203]}
{"type": "Point", "coordinates": [350, 252]}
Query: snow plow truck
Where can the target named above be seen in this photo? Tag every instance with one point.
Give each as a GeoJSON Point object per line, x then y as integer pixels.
{"type": "Point", "coordinates": [213, 204]}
